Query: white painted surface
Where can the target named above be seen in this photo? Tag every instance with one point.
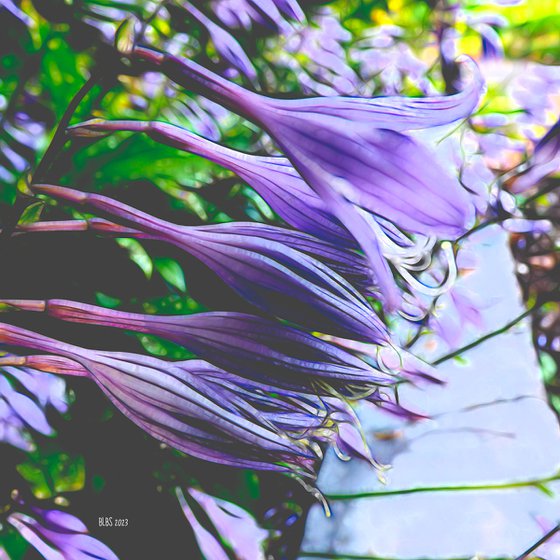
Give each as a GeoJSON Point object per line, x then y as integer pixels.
{"type": "Point", "coordinates": [492, 426]}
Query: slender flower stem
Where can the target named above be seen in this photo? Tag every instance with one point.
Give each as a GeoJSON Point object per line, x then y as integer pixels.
{"type": "Point", "coordinates": [538, 483]}
{"type": "Point", "coordinates": [59, 137]}
{"type": "Point", "coordinates": [484, 338]}
{"type": "Point", "coordinates": [542, 541]}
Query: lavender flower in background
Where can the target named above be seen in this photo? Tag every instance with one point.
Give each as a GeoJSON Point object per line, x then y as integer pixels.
{"type": "Point", "coordinates": [166, 400]}
{"type": "Point", "coordinates": [58, 535]}
{"type": "Point", "coordinates": [233, 528]}
{"type": "Point", "coordinates": [270, 275]}
{"type": "Point", "coordinates": [382, 54]}
{"type": "Point", "coordinates": [225, 44]}
{"type": "Point", "coordinates": [317, 55]}
{"type": "Point", "coordinates": [350, 151]}
{"type": "Point", "coordinates": [544, 161]}
{"type": "Point", "coordinates": [20, 413]}
{"type": "Point", "coordinates": [243, 13]}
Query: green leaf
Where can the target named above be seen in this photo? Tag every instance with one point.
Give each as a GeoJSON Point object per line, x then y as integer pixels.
{"type": "Point", "coordinates": [171, 272]}
{"type": "Point", "coordinates": [13, 543]}
{"type": "Point", "coordinates": [138, 255]}
{"type": "Point", "coordinates": [107, 301]}
{"type": "Point", "coordinates": [53, 473]}
{"type": "Point", "coordinates": [32, 213]}
{"type": "Point", "coordinates": [125, 36]}
{"type": "Point", "coordinates": [548, 367]}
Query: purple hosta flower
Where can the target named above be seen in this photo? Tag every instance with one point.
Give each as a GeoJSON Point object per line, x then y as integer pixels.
{"type": "Point", "coordinates": [247, 345]}
{"type": "Point", "coordinates": [58, 535]}
{"type": "Point", "coordinates": [290, 197]}
{"type": "Point", "coordinates": [269, 274]}
{"type": "Point", "coordinates": [225, 44]}
{"type": "Point", "coordinates": [544, 161]}
{"type": "Point", "coordinates": [274, 178]}
{"type": "Point", "coordinates": [352, 152]}
{"type": "Point", "coordinates": [529, 88]}
{"type": "Point", "coordinates": [173, 403]}
{"type": "Point", "coordinates": [20, 412]}
{"type": "Point", "coordinates": [233, 528]}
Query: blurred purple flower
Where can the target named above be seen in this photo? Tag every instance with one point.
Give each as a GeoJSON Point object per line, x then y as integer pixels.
{"type": "Point", "coordinates": [57, 535]}
{"type": "Point", "coordinates": [225, 44]}
{"type": "Point", "coordinates": [383, 54]}
{"type": "Point", "coordinates": [454, 313]}
{"type": "Point", "coordinates": [266, 272]}
{"type": "Point", "coordinates": [234, 528]}
{"type": "Point", "coordinates": [317, 54]}
{"type": "Point", "coordinates": [172, 403]}
{"type": "Point", "coordinates": [352, 152]}
{"type": "Point", "coordinates": [243, 13]}
{"type": "Point", "coordinates": [20, 412]}
{"type": "Point", "coordinates": [544, 161]}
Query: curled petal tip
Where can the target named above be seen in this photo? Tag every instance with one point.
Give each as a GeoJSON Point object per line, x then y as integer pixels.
{"type": "Point", "coordinates": [94, 128]}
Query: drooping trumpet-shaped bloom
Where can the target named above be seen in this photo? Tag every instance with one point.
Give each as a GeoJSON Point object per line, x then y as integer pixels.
{"type": "Point", "coordinates": [172, 403]}
{"type": "Point", "coordinates": [274, 178]}
{"type": "Point", "coordinates": [235, 528]}
{"type": "Point", "coordinates": [268, 273]}
{"type": "Point", "coordinates": [288, 194]}
{"type": "Point", "coordinates": [247, 345]}
{"type": "Point", "coordinates": [58, 535]}
{"type": "Point", "coordinates": [353, 153]}
{"type": "Point", "coordinates": [349, 264]}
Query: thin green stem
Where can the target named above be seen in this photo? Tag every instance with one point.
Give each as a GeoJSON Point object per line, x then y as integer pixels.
{"type": "Point", "coordinates": [486, 337]}
{"type": "Point", "coordinates": [59, 138]}
{"type": "Point", "coordinates": [536, 483]}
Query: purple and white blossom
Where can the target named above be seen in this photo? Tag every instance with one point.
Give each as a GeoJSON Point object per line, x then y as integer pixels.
{"type": "Point", "coordinates": [353, 153]}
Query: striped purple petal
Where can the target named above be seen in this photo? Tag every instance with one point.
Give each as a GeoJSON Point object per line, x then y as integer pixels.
{"type": "Point", "coordinates": [166, 400]}
{"type": "Point", "coordinates": [352, 152]}
{"type": "Point", "coordinates": [266, 272]}
{"type": "Point", "coordinates": [247, 345]}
